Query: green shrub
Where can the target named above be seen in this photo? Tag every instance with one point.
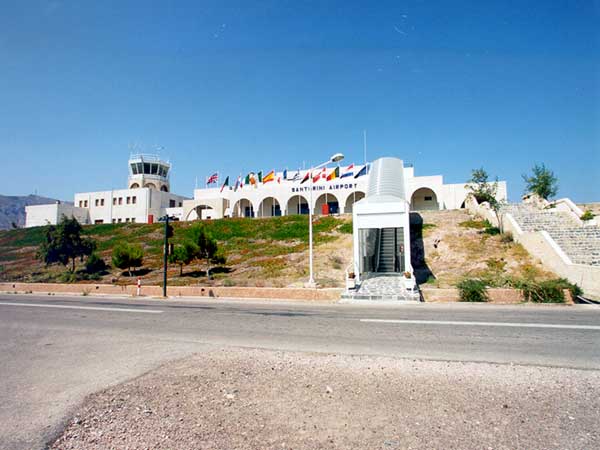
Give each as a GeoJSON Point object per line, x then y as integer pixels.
{"type": "Point", "coordinates": [94, 264]}
{"type": "Point", "coordinates": [472, 290]}
{"type": "Point", "coordinates": [492, 231]}
{"type": "Point", "coordinates": [549, 291]}
{"type": "Point", "coordinates": [587, 215]}
{"type": "Point", "coordinates": [477, 224]}
{"type": "Point", "coordinates": [127, 256]}
{"type": "Point", "coordinates": [507, 238]}
{"type": "Point", "coordinates": [345, 228]}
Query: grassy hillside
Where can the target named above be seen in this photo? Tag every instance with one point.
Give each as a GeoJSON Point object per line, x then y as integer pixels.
{"type": "Point", "coordinates": [446, 247]}
{"type": "Point", "coordinates": [267, 252]}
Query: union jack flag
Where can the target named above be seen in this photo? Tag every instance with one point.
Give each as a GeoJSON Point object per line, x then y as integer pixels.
{"type": "Point", "coordinates": [214, 178]}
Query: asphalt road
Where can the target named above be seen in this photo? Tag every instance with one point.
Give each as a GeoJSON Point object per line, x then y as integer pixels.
{"type": "Point", "coordinates": [55, 350]}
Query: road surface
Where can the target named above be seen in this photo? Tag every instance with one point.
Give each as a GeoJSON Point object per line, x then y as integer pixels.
{"type": "Point", "coordinates": [57, 349]}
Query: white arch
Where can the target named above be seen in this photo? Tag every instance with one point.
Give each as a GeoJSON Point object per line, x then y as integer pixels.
{"type": "Point", "coordinates": [424, 198]}
{"type": "Point", "coordinates": [198, 211]}
{"type": "Point", "coordinates": [150, 185]}
{"type": "Point", "coordinates": [351, 199]}
{"type": "Point", "coordinates": [269, 207]}
{"type": "Point", "coordinates": [134, 186]}
{"type": "Point", "coordinates": [297, 204]}
{"type": "Point", "coordinates": [243, 208]}
{"type": "Point", "coordinates": [329, 199]}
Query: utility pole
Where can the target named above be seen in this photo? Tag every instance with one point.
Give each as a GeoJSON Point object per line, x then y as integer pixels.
{"type": "Point", "coordinates": [165, 256]}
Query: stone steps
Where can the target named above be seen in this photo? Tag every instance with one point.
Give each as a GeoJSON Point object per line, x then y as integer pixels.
{"type": "Point", "coordinates": [580, 244]}
{"type": "Point", "coordinates": [383, 287]}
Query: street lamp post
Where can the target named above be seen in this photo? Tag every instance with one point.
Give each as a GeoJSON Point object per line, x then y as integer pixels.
{"type": "Point", "coordinates": [334, 158]}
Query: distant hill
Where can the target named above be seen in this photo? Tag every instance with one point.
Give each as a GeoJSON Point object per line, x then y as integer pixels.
{"type": "Point", "coordinates": [12, 208]}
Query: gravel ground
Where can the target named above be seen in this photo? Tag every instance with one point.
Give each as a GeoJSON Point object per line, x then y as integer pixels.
{"type": "Point", "coordinates": [254, 399]}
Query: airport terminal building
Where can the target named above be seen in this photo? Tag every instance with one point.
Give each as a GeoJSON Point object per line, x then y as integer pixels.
{"type": "Point", "coordinates": [334, 191]}
{"type": "Point", "coordinates": [329, 190]}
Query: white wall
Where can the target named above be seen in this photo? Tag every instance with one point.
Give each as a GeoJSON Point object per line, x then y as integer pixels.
{"type": "Point", "coordinates": [51, 214]}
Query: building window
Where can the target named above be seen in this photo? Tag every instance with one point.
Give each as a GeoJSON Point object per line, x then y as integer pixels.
{"type": "Point", "coordinates": [85, 203]}
{"type": "Point", "coordinates": [128, 200]}
{"type": "Point", "coordinates": [118, 220]}
{"type": "Point", "coordinates": [171, 203]}
{"type": "Point", "coordinates": [98, 221]}
{"type": "Point", "coordinates": [133, 220]}
{"type": "Point", "coordinates": [101, 202]}
{"type": "Point", "coordinates": [180, 204]}
{"type": "Point", "coordinates": [133, 199]}
{"type": "Point", "coordinates": [80, 203]}
{"type": "Point", "coordinates": [428, 198]}
{"type": "Point", "coordinates": [114, 201]}
{"type": "Point", "coordinates": [120, 200]}
{"type": "Point", "coordinates": [97, 202]}
{"type": "Point", "coordinates": [114, 220]}
{"type": "Point", "coordinates": [127, 220]}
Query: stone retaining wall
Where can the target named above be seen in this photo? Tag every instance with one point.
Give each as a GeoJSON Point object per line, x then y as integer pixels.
{"type": "Point", "coordinates": [434, 295]}
{"type": "Point", "coordinates": [328, 295]}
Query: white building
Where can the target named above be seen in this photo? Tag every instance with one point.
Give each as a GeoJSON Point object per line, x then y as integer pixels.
{"type": "Point", "coordinates": [334, 191]}
{"type": "Point", "coordinates": [286, 194]}
{"type": "Point", "coordinates": [147, 198]}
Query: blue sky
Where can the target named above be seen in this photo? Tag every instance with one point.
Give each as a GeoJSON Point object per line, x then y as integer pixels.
{"type": "Point", "coordinates": [239, 86]}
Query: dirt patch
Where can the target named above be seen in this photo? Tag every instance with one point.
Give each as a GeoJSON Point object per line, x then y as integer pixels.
{"type": "Point", "coordinates": [254, 399]}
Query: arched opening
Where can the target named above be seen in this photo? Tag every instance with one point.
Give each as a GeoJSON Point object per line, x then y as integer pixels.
{"type": "Point", "coordinates": [164, 188]}
{"type": "Point", "coordinates": [269, 207]}
{"type": "Point", "coordinates": [201, 212]}
{"type": "Point", "coordinates": [424, 199]}
{"type": "Point", "coordinates": [134, 186]}
{"type": "Point", "coordinates": [463, 205]}
{"type": "Point", "coordinates": [298, 204]}
{"type": "Point", "coordinates": [351, 200]}
{"type": "Point", "coordinates": [242, 208]}
{"type": "Point", "coordinates": [150, 185]}
{"type": "Point", "coordinates": [326, 204]}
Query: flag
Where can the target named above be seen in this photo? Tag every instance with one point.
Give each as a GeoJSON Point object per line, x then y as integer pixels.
{"type": "Point", "coordinates": [306, 177]}
{"type": "Point", "coordinates": [214, 178]}
{"type": "Point", "coordinates": [284, 175]}
{"type": "Point", "coordinates": [335, 173]}
{"type": "Point", "coordinates": [349, 172]}
{"type": "Point", "coordinates": [247, 179]}
{"type": "Point", "coordinates": [361, 172]}
{"type": "Point", "coordinates": [297, 176]}
{"type": "Point", "coordinates": [269, 177]}
{"type": "Point", "coordinates": [252, 179]}
{"type": "Point", "coordinates": [260, 176]}
{"type": "Point", "coordinates": [237, 183]}
{"type": "Point", "coordinates": [320, 175]}
{"type": "Point", "coordinates": [225, 184]}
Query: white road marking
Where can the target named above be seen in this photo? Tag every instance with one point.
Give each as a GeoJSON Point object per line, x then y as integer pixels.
{"type": "Point", "coordinates": [91, 308]}
{"type": "Point", "coordinates": [486, 324]}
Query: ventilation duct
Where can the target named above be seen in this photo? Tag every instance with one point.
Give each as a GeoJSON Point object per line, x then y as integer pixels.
{"type": "Point", "coordinates": [386, 178]}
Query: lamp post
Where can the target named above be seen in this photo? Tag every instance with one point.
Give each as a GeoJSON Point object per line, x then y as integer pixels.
{"type": "Point", "coordinates": [334, 158]}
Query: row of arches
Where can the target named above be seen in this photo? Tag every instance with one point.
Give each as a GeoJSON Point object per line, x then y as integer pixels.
{"type": "Point", "coordinates": [327, 203]}
{"type": "Point", "coordinates": [297, 204]}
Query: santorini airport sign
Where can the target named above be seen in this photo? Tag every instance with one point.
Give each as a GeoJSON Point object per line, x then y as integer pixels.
{"type": "Point", "coordinates": [331, 187]}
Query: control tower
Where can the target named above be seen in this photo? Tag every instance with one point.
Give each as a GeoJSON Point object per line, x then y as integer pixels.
{"type": "Point", "coordinates": [149, 171]}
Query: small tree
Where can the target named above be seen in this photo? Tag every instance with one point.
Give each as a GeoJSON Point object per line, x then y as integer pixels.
{"type": "Point", "coordinates": [127, 256]}
{"type": "Point", "coordinates": [183, 255]}
{"type": "Point", "coordinates": [63, 243]}
{"type": "Point", "coordinates": [542, 182]}
{"type": "Point", "coordinates": [481, 188]}
{"type": "Point", "coordinates": [207, 247]}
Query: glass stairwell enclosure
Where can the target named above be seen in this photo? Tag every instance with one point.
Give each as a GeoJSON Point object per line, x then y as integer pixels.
{"type": "Point", "coordinates": [381, 251]}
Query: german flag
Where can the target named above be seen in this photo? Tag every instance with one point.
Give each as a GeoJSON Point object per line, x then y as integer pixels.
{"type": "Point", "coordinates": [335, 173]}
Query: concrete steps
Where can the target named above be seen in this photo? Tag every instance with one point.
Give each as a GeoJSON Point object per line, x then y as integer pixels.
{"type": "Point", "coordinates": [580, 244]}
{"type": "Point", "coordinates": [383, 287]}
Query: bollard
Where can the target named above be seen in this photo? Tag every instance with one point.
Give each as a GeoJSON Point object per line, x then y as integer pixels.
{"type": "Point", "coordinates": [139, 286]}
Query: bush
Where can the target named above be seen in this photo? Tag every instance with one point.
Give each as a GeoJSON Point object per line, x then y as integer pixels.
{"type": "Point", "coordinates": [345, 228]}
{"type": "Point", "coordinates": [506, 238]}
{"type": "Point", "coordinates": [550, 291]}
{"type": "Point", "coordinates": [127, 256]}
{"type": "Point", "coordinates": [587, 215]}
{"type": "Point", "coordinates": [472, 290]}
{"type": "Point", "coordinates": [94, 264]}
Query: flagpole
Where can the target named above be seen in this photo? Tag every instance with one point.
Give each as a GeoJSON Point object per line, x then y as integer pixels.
{"type": "Point", "coordinates": [365, 145]}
